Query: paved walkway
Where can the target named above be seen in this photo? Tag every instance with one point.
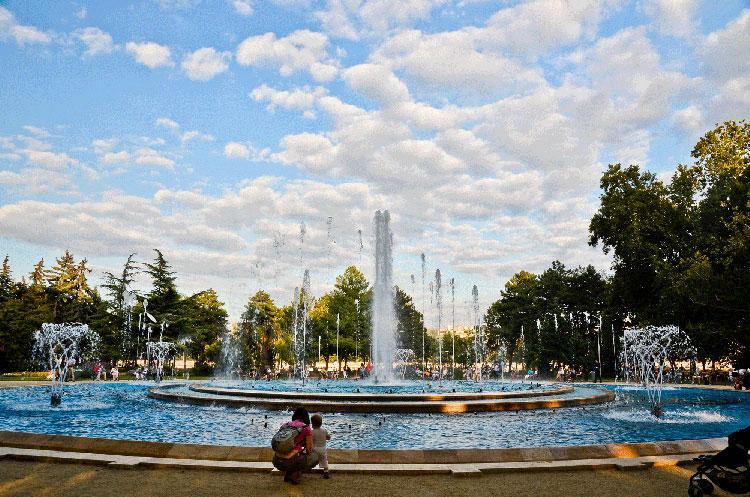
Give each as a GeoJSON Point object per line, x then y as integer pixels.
{"type": "Point", "coordinates": [456, 469]}
{"type": "Point", "coordinates": [44, 479]}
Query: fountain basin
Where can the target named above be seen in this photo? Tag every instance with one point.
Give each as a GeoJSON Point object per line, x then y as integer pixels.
{"type": "Point", "coordinates": [459, 402]}
{"type": "Point", "coordinates": [124, 411]}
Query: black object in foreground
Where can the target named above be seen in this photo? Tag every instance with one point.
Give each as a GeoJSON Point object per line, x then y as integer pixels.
{"type": "Point", "coordinates": [728, 470]}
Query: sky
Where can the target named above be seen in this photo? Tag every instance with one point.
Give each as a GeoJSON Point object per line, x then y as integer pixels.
{"type": "Point", "coordinates": [214, 129]}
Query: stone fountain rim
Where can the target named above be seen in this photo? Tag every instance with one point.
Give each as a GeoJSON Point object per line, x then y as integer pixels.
{"type": "Point", "coordinates": [380, 396]}
{"type": "Point", "coordinates": [92, 445]}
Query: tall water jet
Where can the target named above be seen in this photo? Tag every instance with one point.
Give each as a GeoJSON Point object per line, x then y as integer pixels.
{"type": "Point", "coordinates": [453, 328]}
{"type": "Point", "coordinates": [295, 328]}
{"type": "Point", "coordinates": [230, 356]}
{"type": "Point", "coordinates": [439, 308]}
{"type": "Point", "coordinates": [478, 344]}
{"type": "Point", "coordinates": [61, 346]}
{"type": "Point", "coordinates": [306, 296]}
{"type": "Point", "coordinates": [383, 310]}
{"type": "Point", "coordinates": [424, 327]}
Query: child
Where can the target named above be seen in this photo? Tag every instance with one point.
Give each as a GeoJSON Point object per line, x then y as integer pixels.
{"type": "Point", "coordinates": [320, 437]}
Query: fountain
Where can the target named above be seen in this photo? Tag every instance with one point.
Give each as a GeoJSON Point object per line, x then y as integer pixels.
{"type": "Point", "coordinates": [648, 350]}
{"type": "Point", "coordinates": [404, 357]}
{"type": "Point", "coordinates": [478, 344]}
{"type": "Point", "coordinates": [439, 308]}
{"type": "Point", "coordinates": [230, 356]}
{"type": "Point", "coordinates": [159, 351]}
{"type": "Point", "coordinates": [61, 345]}
{"type": "Point", "coordinates": [383, 312]}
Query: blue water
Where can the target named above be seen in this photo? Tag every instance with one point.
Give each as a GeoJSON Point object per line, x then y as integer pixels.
{"type": "Point", "coordinates": [352, 386]}
{"type": "Point", "coordinates": [123, 411]}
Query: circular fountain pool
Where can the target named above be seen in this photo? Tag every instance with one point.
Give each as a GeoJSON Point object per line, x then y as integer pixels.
{"type": "Point", "coordinates": [406, 397]}
{"type": "Point", "coordinates": [125, 412]}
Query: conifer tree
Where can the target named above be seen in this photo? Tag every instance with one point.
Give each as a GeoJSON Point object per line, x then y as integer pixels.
{"type": "Point", "coordinates": [37, 276]}
{"type": "Point", "coordinates": [6, 281]}
{"type": "Point", "coordinates": [164, 300]}
{"type": "Point", "coordinates": [259, 328]}
{"type": "Point", "coordinates": [62, 276]}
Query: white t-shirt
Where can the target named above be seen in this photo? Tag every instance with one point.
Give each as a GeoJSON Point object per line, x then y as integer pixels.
{"type": "Point", "coordinates": [320, 436]}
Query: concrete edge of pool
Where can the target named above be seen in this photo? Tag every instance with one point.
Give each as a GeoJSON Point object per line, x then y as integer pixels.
{"type": "Point", "coordinates": [364, 403]}
{"type": "Point", "coordinates": [459, 462]}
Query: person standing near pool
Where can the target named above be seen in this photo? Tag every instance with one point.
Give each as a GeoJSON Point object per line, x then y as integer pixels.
{"type": "Point", "coordinates": [293, 447]}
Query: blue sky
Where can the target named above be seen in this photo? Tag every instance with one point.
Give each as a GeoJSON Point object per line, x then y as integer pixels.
{"type": "Point", "coordinates": [212, 128]}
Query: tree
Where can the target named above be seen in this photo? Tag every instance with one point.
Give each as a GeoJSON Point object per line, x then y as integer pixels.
{"type": "Point", "coordinates": [163, 299]}
{"type": "Point", "coordinates": [37, 276]}
{"type": "Point", "coordinates": [259, 329]}
{"type": "Point", "coordinates": [409, 322]}
{"type": "Point", "coordinates": [641, 224]}
{"type": "Point", "coordinates": [117, 337]}
{"type": "Point", "coordinates": [506, 317]}
{"type": "Point", "coordinates": [6, 280]}
{"type": "Point", "coordinates": [324, 326]}
{"type": "Point", "coordinates": [350, 299]}
{"type": "Point", "coordinates": [203, 319]}
{"type": "Point", "coordinates": [715, 275]}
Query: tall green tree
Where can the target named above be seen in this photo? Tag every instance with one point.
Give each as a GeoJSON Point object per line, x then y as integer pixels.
{"type": "Point", "coordinates": [259, 330]}
{"type": "Point", "coordinates": [6, 280]}
{"type": "Point", "coordinates": [164, 299]}
{"type": "Point", "coordinates": [409, 322]}
{"type": "Point", "coordinates": [203, 319]}
{"type": "Point", "coordinates": [118, 336]}
{"type": "Point", "coordinates": [514, 310]}
{"type": "Point", "coordinates": [350, 299]}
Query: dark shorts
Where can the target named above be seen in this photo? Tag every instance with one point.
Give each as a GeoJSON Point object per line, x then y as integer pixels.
{"type": "Point", "coordinates": [300, 462]}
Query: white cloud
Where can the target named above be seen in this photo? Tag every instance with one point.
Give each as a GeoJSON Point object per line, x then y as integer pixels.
{"type": "Point", "coordinates": [353, 19]}
{"type": "Point", "coordinates": [535, 27]}
{"type": "Point", "coordinates": [81, 13]}
{"type": "Point", "coordinates": [243, 7]}
{"type": "Point", "coordinates": [36, 131]}
{"type": "Point", "coordinates": [236, 150]}
{"type": "Point", "coordinates": [205, 63]}
{"type": "Point", "coordinates": [195, 135]}
{"type": "Point", "coordinates": [376, 82]}
{"type": "Point", "coordinates": [672, 17]}
{"type": "Point", "coordinates": [304, 98]}
{"type": "Point", "coordinates": [102, 145]}
{"type": "Point", "coordinates": [150, 54]}
{"type": "Point", "coordinates": [23, 35]}
{"type": "Point", "coordinates": [115, 157]}
{"type": "Point", "coordinates": [167, 123]}
{"type": "Point", "coordinates": [150, 157]}
{"type": "Point", "coordinates": [453, 60]}
{"type": "Point", "coordinates": [301, 50]}
{"type": "Point", "coordinates": [37, 181]}
{"type": "Point", "coordinates": [725, 51]}
{"type": "Point", "coordinates": [97, 41]}
{"type": "Point", "coordinates": [49, 159]}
